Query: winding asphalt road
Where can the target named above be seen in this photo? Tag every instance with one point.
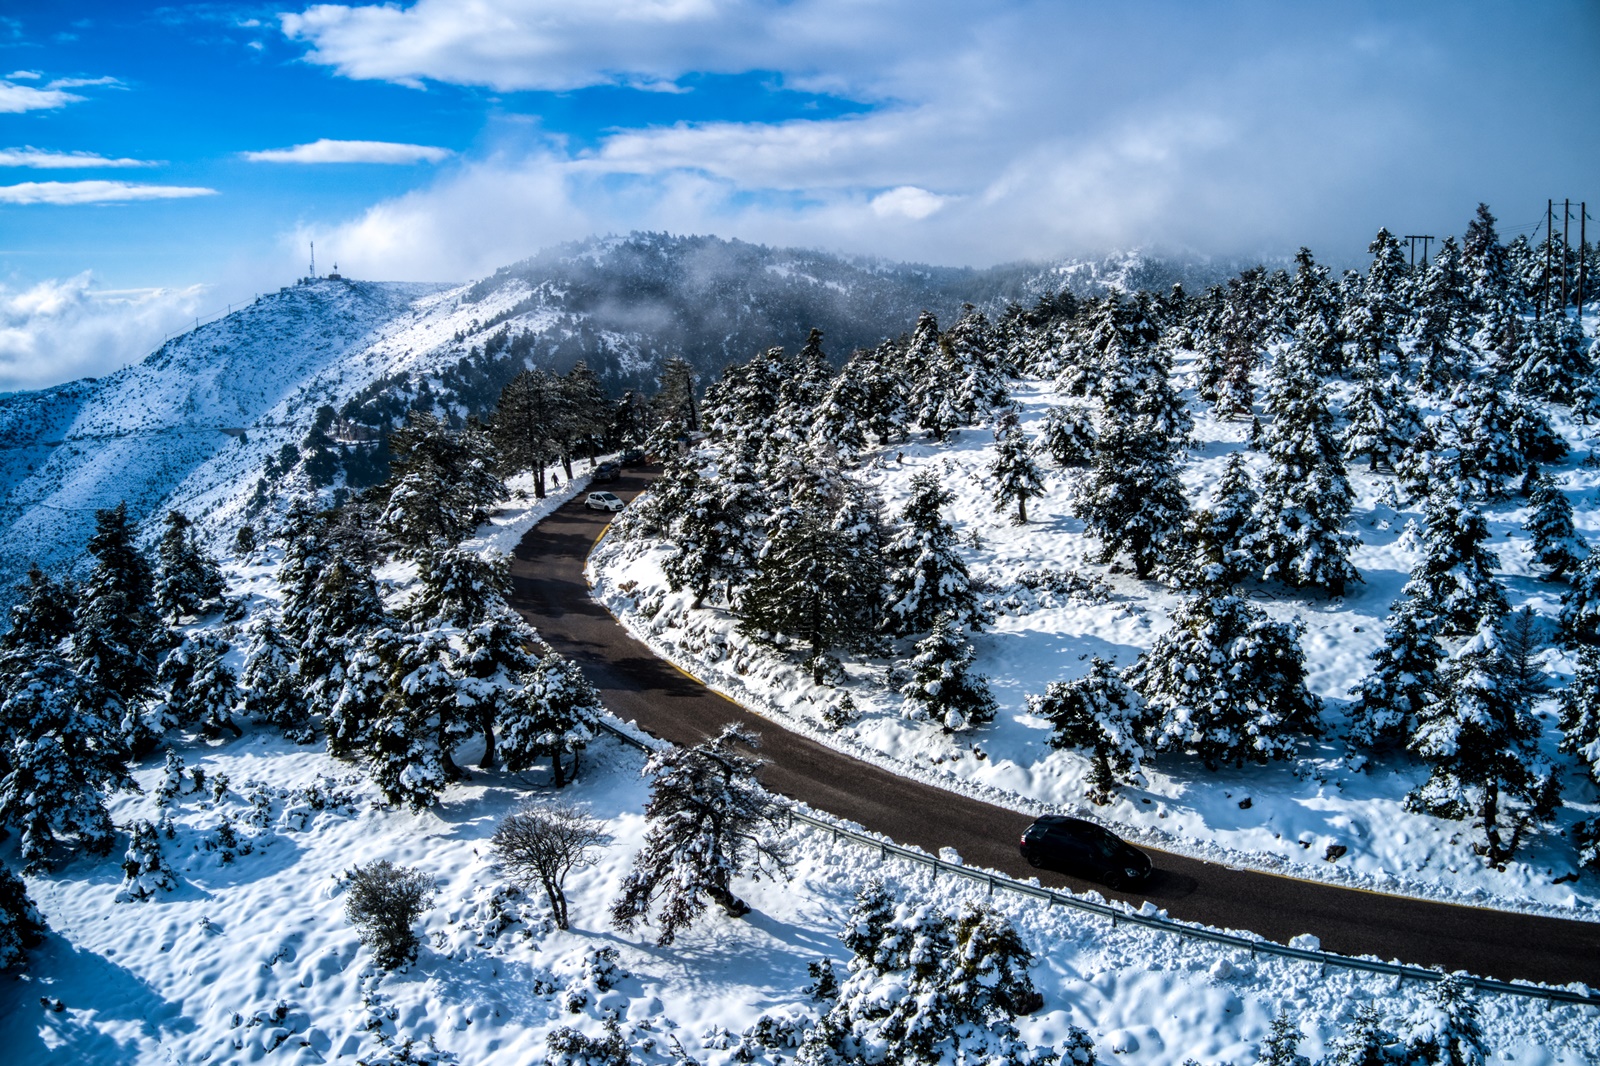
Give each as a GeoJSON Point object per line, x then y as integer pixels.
{"type": "Point", "coordinates": [551, 592]}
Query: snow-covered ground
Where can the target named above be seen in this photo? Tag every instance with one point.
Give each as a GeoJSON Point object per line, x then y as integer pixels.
{"type": "Point", "coordinates": [1283, 817]}
{"type": "Point", "coordinates": [252, 960]}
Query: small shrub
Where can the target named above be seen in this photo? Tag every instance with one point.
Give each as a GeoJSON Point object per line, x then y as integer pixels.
{"type": "Point", "coordinates": [383, 902]}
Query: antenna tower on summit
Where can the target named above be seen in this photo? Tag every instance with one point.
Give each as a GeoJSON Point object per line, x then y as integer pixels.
{"type": "Point", "coordinates": [313, 259]}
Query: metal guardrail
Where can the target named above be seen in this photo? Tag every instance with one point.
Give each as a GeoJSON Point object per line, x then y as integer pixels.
{"type": "Point", "coordinates": [1122, 913]}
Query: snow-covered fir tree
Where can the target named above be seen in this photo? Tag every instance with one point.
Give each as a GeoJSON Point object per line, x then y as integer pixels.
{"type": "Point", "coordinates": [1580, 712]}
{"type": "Point", "coordinates": [1068, 434]}
{"type": "Point", "coordinates": [1552, 360]}
{"type": "Point", "coordinates": [927, 577]}
{"type": "Point", "coordinates": [1211, 552]}
{"type": "Point", "coordinates": [932, 380]}
{"type": "Point", "coordinates": [496, 652]}
{"type": "Point", "coordinates": [1482, 434]}
{"type": "Point", "coordinates": [1311, 312]}
{"type": "Point", "coordinates": [1282, 1045]}
{"type": "Point", "coordinates": [820, 577]}
{"type": "Point", "coordinates": [201, 689]}
{"type": "Point", "coordinates": [1382, 421]}
{"type": "Point", "coordinates": [1439, 321]}
{"type": "Point", "coordinates": [1578, 624]}
{"type": "Point", "coordinates": [553, 717]}
{"type": "Point", "coordinates": [1444, 1029]}
{"type": "Point", "coordinates": [1225, 683]}
{"type": "Point", "coordinates": [1404, 678]}
{"type": "Point", "coordinates": [64, 752]}
{"type": "Point", "coordinates": [1133, 499]}
{"type": "Point", "coordinates": [1481, 749]}
{"type": "Point", "coordinates": [343, 609]}
{"type": "Point", "coordinates": [188, 582]}
{"type": "Point", "coordinates": [709, 822]}
{"type": "Point", "coordinates": [1490, 297]}
{"type": "Point", "coordinates": [1375, 320]}
{"type": "Point", "coordinates": [40, 618]}
{"type": "Point", "coordinates": [716, 530]}
{"type": "Point", "coordinates": [273, 689]}
{"type": "Point", "coordinates": [1100, 713]}
{"type": "Point", "coordinates": [534, 422]}
{"type": "Point", "coordinates": [927, 988]}
{"type": "Point", "coordinates": [116, 632]}
{"type": "Point", "coordinates": [942, 685]}
{"type": "Point", "coordinates": [21, 925]}
{"type": "Point", "coordinates": [442, 485]}
{"type": "Point", "coordinates": [1557, 547]}
{"type": "Point", "coordinates": [1015, 476]}
{"type": "Point", "coordinates": [1454, 580]}
{"type": "Point", "coordinates": [1297, 535]}
{"type": "Point", "coordinates": [144, 871]}
{"type": "Point", "coordinates": [420, 718]}
{"type": "Point", "coordinates": [973, 363]}
{"type": "Point", "coordinates": [459, 587]}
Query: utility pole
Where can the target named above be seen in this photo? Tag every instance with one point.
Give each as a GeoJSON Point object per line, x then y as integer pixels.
{"type": "Point", "coordinates": [1412, 239]}
{"type": "Point", "coordinates": [1566, 250]}
{"type": "Point", "coordinates": [1544, 290]}
{"type": "Point", "coordinates": [1583, 254]}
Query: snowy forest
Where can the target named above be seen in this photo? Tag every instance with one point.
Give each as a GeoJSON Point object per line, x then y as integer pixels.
{"type": "Point", "coordinates": [357, 619]}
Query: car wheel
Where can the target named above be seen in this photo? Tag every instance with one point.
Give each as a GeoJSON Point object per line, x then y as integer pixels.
{"type": "Point", "coordinates": [1034, 860]}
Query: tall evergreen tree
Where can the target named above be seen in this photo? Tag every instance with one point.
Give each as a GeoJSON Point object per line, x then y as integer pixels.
{"type": "Point", "coordinates": [1555, 541]}
{"type": "Point", "coordinates": [555, 716]}
{"type": "Point", "coordinates": [21, 925]}
{"type": "Point", "coordinates": [927, 576]}
{"type": "Point", "coordinates": [201, 688]}
{"type": "Point", "coordinates": [419, 720]}
{"type": "Point", "coordinates": [41, 617]}
{"type": "Point", "coordinates": [1490, 297]}
{"type": "Point", "coordinates": [1133, 499]}
{"type": "Point", "coordinates": [1481, 748]}
{"type": "Point", "coordinates": [1225, 683]}
{"type": "Point", "coordinates": [1403, 680]}
{"type": "Point", "coordinates": [1439, 321]}
{"type": "Point", "coordinates": [115, 630]}
{"type": "Point", "coordinates": [1580, 713]}
{"type": "Point", "coordinates": [344, 608]}
{"type": "Point", "coordinates": [441, 486]}
{"type": "Point", "coordinates": [1552, 360]}
{"type": "Point", "coordinates": [1454, 580]}
{"type": "Point", "coordinates": [460, 587]}
{"type": "Point", "coordinates": [708, 821]}
{"type": "Point", "coordinates": [498, 650]}
{"type": "Point", "coordinates": [273, 689]}
{"type": "Point", "coordinates": [821, 574]}
{"type": "Point", "coordinates": [64, 752]}
{"type": "Point", "coordinates": [716, 529]}
{"type": "Point", "coordinates": [942, 686]}
{"type": "Point", "coordinates": [1214, 555]}
{"type": "Point", "coordinates": [1298, 534]}
{"type": "Point", "coordinates": [1068, 435]}
{"type": "Point", "coordinates": [187, 580]}
{"type": "Point", "coordinates": [1101, 713]}
{"type": "Point", "coordinates": [1017, 478]}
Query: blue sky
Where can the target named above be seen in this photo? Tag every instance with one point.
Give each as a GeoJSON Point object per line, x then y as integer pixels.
{"type": "Point", "coordinates": [156, 160]}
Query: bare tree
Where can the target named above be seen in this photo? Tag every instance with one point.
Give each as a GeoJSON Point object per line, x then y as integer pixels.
{"type": "Point", "coordinates": [542, 845]}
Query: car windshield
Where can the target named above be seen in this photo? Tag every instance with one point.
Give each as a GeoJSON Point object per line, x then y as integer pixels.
{"type": "Point", "coordinates": [1103, 842]}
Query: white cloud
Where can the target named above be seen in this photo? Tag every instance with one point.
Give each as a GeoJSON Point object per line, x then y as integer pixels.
{"type": "Point", "coordinates": [81, 83]}
{"type": "Point", "coordinates": [907, 201]}
{"type": "Point", "coordinates": [40, 159]}
{"type": "Point", "coordinates": [328, 151]}
{"type": "Point", "coordinates": [24, 75]}
{"type": "Point", "coordinates": [15, 99]}
{"type": "Point", "coordinates": [63, 328]}
{"type": "Point", "coordinates": [94, 192]}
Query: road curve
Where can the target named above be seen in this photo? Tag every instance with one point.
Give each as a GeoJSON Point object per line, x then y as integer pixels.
{"type": "Point", "coordinates": [549, 590]}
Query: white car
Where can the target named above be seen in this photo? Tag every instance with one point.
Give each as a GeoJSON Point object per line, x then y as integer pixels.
{"type": "Point", "coordinates": [602, 501]}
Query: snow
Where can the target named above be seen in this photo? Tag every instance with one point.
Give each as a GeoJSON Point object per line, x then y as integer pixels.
{"type": "Point", "coordinates": [1297, 811]}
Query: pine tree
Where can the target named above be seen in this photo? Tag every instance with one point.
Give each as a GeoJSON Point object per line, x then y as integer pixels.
{"type": "Point", "coordinates": [957, 984]}
{"type": "Point", "coordinates": [707, 818]}
{"type": "Point", "coordinates": [1490, 296]}
{"type": "Point", "coordinates": [342, 609]}
{"type": "Point", "coordinates": [1439, 321]}
{"type": "Point", "coordinates": [188, 582]}
{"type": "Point", "coordinates": [1481, 748]}
{"type": "Point", "coordinates": [442, 485]}
{"type": "Point", "coordinates": [1225, 683]}
{"type": "Point", "coordinates": [41, 617]}
{"type": "Point", "coordinates": [554, 716]}
{"type": "Point", "coordinates": [1363, 1042]}
{"type": "Point", "coordinates": [1553, 360]}
{"type": "Point", "coordinates": [534, 423]}
{"type": "Point", "coordinates": [420, 718]}
{"type": "Point", "coordinates": [65, 750]}
{"type": "Point", "coordinates": [1017, 478]}
{"type": "Point", "coordinates": [21, 925]}
{"type": "Point", "coordinates": [1282, 1045]}
{"type": "Point", "coordinates": [1214, 555]}
{"type": "Point", "coordinates": [974, 364]}
{"type": "Point", "coordinates": [1380, 314]}
{"type": "Point", "coordinates": [459, 587]}
{"type": "Point", "coordinates": [201, 687]}
{"type": "Point", "coordinates": [820, 577]}
{"type": "Point", "coordinates": [1579, 621]}
{"type": "Point", "coordinates": [1298, 532]}
{"type": "Point", "coordinates": [1312, 313]}
{"type": "Point", "coordinates": [1455, 579]}
{"type": "Point", "coordinates": [498, 651]}
{"type": "Point", "coordinates": [942, 687]}
{"type": "Point", "coordinates": [273, 690]}
{"type": "Point", "coordinates": [1444, 1029]}
{"type": "Point", "coordinates": [1580, 712]}
{"type": "Point", "coordinates": [1068, 435]}
{"type": "Point", "coordinates": [1101, 713]}
{"type": "Point", "coordinates": [144, 871]}
{"type": "Point", "coordinates": [1403, 680]}
{"type": "Point", "coordinates": [927, 576]}
{"type": "Point", "coordinates": [1485, 440]}
{"type": "Point", "coordinates": [839, 423]}
{"type": "Point", "coordinates": [716, 531]}
{"type": "Point", "coordinates": [1381, 420]}
{"type": "Point", "coordinates": [1556, 544]}
{"type": "Point", "coordinates": [588, 407]}
{"type": "Point", "coordinates": [1133, 499]}
{"type": "Point", "coordinates": [115, 628]}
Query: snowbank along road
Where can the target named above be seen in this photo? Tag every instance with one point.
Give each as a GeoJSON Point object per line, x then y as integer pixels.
{"type": "Point", "coordinates": [551, 592]}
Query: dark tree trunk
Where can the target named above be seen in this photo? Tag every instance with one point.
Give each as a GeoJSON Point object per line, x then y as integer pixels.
{"type": "Point", "coordinates": [486, 761]}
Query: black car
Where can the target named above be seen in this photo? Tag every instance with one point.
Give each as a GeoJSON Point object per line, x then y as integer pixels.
{"type": "Point", "coordinates": [1074, 846]}
{"type": "Point", "coordinates": [607, 472]}
{"type": "Point", "coordinates": [633, 457]}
